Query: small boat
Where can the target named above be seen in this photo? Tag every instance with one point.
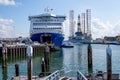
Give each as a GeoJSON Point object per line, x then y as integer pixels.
{"type": "Point", "coordinates": [67, 45]}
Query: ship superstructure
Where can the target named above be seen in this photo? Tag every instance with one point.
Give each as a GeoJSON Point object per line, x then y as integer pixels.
{"type": "Point", "coordinates": [47, 27]}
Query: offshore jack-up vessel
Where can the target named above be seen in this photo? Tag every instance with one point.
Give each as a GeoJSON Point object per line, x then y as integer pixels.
{"type": "Point", "coordinates": [47, 27]}
{"type": "Point", "coordinates": [82, 35]}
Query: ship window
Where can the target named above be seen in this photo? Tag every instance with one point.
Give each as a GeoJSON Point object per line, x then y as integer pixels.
{"type": "Point", "coordinates": [49, 28]}
{"type": "Point", "coordinates": [51, 24]}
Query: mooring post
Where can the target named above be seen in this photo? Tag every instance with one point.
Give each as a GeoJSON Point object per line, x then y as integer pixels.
{"type": "Point", "coordinates": [16, 70]}
{"type": "Point", "coordinates": [90, 70]}
{"type": "Point", "coordinates": [4, 56]}
{"type": "Point", "coordinates": [109, 64]}
{"type": "Point", "coordinates": [43, 67]}
{"type": "Point", "coordinates": [4, 74]}
{"type": "Point", "coordinates": [29, 61]}
{"type": "Point", "coordinates": [46, 56]}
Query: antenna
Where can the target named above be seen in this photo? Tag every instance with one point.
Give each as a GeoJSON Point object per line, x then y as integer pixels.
{"type": "Point", "coordinates": [47, 9]}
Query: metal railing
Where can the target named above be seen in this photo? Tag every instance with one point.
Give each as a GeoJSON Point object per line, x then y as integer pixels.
{"type": "Point", "coordinates": [54, 76]}
{"type": "Point", "coordinates": [80, 76]}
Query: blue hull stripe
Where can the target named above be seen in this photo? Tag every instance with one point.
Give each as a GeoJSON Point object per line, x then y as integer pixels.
{"type": "Point", "coordinates": [57, 38]}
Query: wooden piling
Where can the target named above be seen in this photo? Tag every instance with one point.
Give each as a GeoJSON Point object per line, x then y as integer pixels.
{"type": "Point", "coordinates": [29, 63]}
{"type": "Point", "coordinates": [16, 70]}
{"type": "Point", "coordinates": [21, 50]}
{"type": "Point", "coordinates": [109, 63]}
{"type": "Point", "coordinates": [16, 54]}
{"type": "Point", "coordinates": [11, 53]}
{"type": "Point", "coordinates": [1, 51]}
{"type": "Point", "coordinates": [16, 51]}
{"type": "Point", "coordinates": [29, 68]}
{"type": "Point", "coordinates": [4, 74]}
{"type": "Point", "coordinates": [24, 52]}
{"type": "Point", "coordinates": [43, 68]}
{"type": "Point", "coordinates": [90, 66]}
{"type": "Point", "coordinates": [46, 57]}
{"type": "Point", "coordinates": [4, 56]}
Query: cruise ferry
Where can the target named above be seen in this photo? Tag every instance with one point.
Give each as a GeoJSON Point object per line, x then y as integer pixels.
{"type": "Point", "coordinates": [47, 27]}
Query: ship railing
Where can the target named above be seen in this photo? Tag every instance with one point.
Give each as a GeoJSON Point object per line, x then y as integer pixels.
{"type": "Point", "coordinates": [80, 76]}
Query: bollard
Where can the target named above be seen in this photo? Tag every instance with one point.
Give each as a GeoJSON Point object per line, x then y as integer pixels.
{"type": "Point", "coordinates": [109, 64]}
{"type": "Point", "coordinates": [4, 56]}
{"type": "Point", "coordinates": [43, 67]}
{"type": "Point", "coordinates": [29, 61]}
{"type": "Point", "coordinates": [16, 70]}
{"type": "Point", "coordinates": [90, 70]}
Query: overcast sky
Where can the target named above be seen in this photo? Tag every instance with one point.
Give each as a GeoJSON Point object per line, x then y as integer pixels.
{"type": "Point", "coordinates": [105, 15]}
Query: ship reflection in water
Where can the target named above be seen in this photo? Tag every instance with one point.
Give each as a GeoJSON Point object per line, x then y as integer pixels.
{"type": "Point", "coordinates": [70, 60]}
{"type": "Point", "coordinates": [74, 59]}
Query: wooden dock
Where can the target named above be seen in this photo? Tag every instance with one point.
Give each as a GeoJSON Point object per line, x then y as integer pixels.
{"type": "Point", "coordinates": [14, 51]}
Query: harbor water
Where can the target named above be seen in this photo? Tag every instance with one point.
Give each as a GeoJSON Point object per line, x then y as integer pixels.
{"type": "Point", "coordinates": [68, 60]}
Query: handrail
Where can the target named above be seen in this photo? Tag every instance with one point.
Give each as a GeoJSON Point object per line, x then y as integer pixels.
{"type": "Point", "coordinates": [53, 76]}
{"type": "Point", "coordinates": [80, 76]}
